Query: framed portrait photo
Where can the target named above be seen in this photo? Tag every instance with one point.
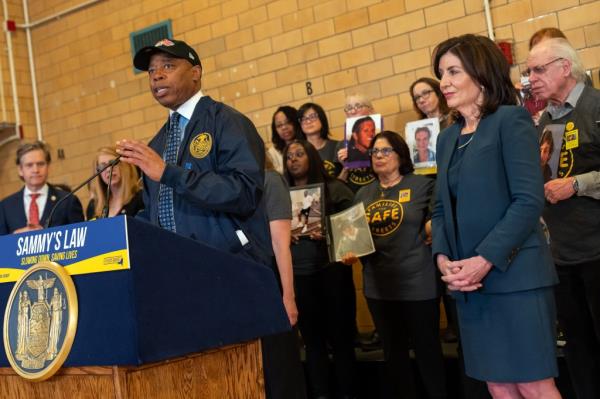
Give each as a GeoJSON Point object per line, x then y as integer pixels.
{"type": "Point", "coordinates": [350, 233]}
{"type": "Point", "coordinates": [308, 209]}
{"type": "Point", "coordinates": [359, 133]}
{"type": "Point", "coordinates": [551, 143]}
{"type": "Point", "coordinates": [421, 138]}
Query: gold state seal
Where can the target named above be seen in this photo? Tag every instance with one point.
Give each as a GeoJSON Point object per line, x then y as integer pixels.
{"type": "Point", "coordinates": [40, 321]}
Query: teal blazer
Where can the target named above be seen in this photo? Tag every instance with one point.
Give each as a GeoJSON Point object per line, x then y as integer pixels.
{"type": "Point", "coordinates": [499, 202]}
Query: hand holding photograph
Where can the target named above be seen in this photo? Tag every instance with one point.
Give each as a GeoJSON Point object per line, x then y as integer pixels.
{"type": "Point", "coordinates": [359, 133]}
{"type": "Point", "coordinates": [350, 233]}
{"type": "Point", "coordinates": [307, 209]}
{"type": "Point", "coordinates": [421, 137]}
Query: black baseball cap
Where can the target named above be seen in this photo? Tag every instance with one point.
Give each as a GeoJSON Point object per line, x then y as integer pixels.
{"type": "Point", "coordinates": [176, 48]}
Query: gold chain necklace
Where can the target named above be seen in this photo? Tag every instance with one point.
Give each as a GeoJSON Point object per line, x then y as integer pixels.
{"type": "Point", "coordinates": [383, 190]}
{"type": "Point", "coordinates": [467, 143]}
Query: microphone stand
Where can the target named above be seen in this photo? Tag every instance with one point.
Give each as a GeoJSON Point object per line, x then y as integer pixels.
{"type": "Point", "coordinates": [107, 205]}
{"type": "Point", "coordinates": [60, 201]}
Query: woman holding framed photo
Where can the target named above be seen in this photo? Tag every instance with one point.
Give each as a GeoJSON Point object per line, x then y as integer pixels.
{"type": "Point", "coordinates": [401, 283]}
{"type": "Point", "coordinates": [324, 289]}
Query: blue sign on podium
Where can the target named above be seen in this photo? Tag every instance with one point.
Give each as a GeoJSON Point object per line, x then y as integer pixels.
{"type": "Point", "coordinates": [80, 248]}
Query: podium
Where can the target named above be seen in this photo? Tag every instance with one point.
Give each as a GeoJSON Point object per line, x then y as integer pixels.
{"type": "Point", "coordinates": [182, 322]}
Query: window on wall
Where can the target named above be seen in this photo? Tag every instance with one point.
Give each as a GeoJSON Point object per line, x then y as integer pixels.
{"type": "Point", "coordinates": [149, 37]}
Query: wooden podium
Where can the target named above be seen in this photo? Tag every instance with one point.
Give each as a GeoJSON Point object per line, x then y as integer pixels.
{"type": "Point", "coordinates": [231, 372]}
{"type": "Point", "coordinates": [182, 322]}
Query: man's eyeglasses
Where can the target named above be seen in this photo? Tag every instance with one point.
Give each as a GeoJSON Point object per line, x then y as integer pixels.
{"type": "Point", "coordinates": [541, 69]}
{"type": "Point", "coordinates": [384, 151]}
{"type": "Point", "coordinates": [297, 154]}
{"type": "Point", "coordinates": [356, 107]}
{"type": "Point", "coordinates": [309, 118]}
{"type": "Point", "coordinates": [424, 95]}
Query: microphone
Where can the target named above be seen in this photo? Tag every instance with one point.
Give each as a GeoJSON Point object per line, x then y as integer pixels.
{"type": "Point", "coordinates": [63, 199]}
{"type": "Point", "coordinates": [110, 174]}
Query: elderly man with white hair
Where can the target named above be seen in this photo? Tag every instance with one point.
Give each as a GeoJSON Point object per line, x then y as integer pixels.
{"type": "Point", "coordinates": [572, 210]}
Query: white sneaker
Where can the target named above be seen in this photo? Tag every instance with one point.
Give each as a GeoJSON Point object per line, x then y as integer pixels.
{"type": "Point", "coordinates": [305, 229]}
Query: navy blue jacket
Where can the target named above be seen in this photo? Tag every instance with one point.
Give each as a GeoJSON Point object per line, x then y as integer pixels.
{"type": "Point", "coordinates": [217, 182]}
{"type": "Point", "coordinates": [13, 216]}
{"type": "Point", "coordinates": [500, 198]}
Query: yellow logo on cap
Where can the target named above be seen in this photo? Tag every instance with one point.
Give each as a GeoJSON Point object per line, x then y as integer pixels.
{"type": "Point", "coordinates": [201, 145]}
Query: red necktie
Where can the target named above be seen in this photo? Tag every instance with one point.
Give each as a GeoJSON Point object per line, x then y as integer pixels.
{"type": "Point", "coordinates": [34, 211]}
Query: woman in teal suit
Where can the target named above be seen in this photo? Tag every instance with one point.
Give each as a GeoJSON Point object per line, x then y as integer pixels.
{"type": "Point", "coordinates": [487, 238]}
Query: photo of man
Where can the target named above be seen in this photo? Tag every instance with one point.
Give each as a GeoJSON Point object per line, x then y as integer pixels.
{"type": "Point", "coordinates": [359, 138]}
{"type": "Point", "coordinates": [421, 138]}
{"type": "Point", "coordinates": [422, 151]}
{"type": "Point", "coordinates": [350, 233]}
{"type": "Point", "coordinates": [546, 150]}
{"type": "Point", "coordinates": [306, 209]}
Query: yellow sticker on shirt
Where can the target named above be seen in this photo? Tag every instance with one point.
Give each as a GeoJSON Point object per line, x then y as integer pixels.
{"type": "Point", "coordinates": [404, 195]}
{"type": "Point", "coordinates": [572, 139]}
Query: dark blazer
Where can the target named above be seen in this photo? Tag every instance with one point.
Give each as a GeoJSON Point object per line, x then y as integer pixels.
{"type": "Point", "coordinates": [217, 183]}
{"type": "Point", "coordinates": [500, 198]}
{"type": "Point", "coordinates": [13, 216]}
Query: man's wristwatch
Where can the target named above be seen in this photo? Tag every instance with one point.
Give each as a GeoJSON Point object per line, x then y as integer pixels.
{"type": "Point", "coordinates": [575, 185]}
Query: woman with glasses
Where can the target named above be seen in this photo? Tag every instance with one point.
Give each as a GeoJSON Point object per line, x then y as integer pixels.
{"type": "Point", "coordinates": [487, 237]}
{"type": "Point", "coordinates": [125, 191]}
{"type": "Point", "coordinates": [429, 102]}
{"type": "Point", "coordinates": [357, 105]}
{"type": "Point", "coordinates": [315, 127]}
{"type": "Point", "coordinates": [401, 283]}
{"type": "Point", "coordinates": [284, 129]}
{"type": "Point", "coordinates": [324, 289]}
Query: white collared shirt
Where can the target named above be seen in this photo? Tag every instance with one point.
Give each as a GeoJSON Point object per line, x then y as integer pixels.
{"type": "Point", "coordinates": [41, 200]}
{"type": "Point", "coordinates": [186, 110]}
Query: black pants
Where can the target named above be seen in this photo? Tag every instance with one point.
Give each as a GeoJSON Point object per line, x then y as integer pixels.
{"type": "Point", "coordinates": [578, 306]}
{"type": "Point", "coordinates": [326, 315]}
{"type": "Point", "coordinates": [284, 377]}
{"type": "Point", "coordinates": [418, 321]}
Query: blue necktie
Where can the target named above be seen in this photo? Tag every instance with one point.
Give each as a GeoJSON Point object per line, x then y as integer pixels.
{"type": "Point", "coordinates": [166, 215]}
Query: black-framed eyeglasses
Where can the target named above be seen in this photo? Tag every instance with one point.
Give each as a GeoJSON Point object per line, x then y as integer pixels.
{"type": "Point", "coordinates": [424, 95]}
{"type": "Point", "coordinates": [541, 69]}
{"type": "Point", "coordinates": [309, 118]}
{"type": "Point", "coordinates": [298, 154]}
{"type": "Point", "coordinates": [356, 107]}
{"type": "Point", "coordinates": [384, 151]}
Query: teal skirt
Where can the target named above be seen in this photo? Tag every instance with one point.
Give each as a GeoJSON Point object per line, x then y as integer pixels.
{"type": "Point", "coordinates": [508, 337]}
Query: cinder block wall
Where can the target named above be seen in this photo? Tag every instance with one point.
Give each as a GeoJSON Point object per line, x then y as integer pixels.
{"type": "Point", "coordinates": [257, 55]}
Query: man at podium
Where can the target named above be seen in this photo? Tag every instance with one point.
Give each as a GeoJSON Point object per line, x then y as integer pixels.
{"type": "Point", "coordinates": [203, 171]}
{"type": "Point", "coordinates": [204, 179]}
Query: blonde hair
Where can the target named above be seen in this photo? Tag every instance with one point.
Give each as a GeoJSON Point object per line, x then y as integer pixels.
{"type": "Point", "coordinates": [361, 98]}
{"type": "Point", "coordinates": [130, 183]}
